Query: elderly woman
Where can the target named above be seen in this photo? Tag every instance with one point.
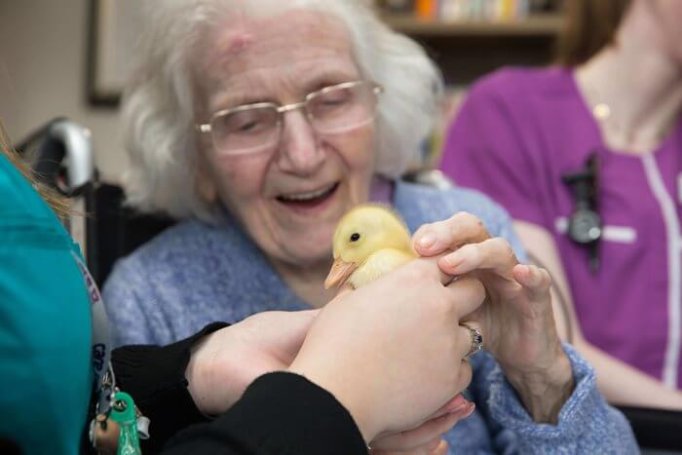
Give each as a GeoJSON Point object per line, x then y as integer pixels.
{"type": "Point", "coordinates": [260, 123]}
{"type": "Point", "coordinates": [260, 130]}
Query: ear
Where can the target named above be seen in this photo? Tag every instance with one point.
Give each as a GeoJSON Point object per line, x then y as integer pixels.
{"type": "Point", "coordinates": [205, 186]}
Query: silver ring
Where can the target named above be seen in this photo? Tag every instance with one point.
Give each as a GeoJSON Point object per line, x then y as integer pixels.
{"type": "Point", "coordinates": [476, 340]}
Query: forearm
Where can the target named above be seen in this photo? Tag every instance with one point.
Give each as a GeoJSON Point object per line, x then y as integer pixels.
{"type": "Point", "coordinates": [155, 377]}
{"type": "Point", "coordinates": [280, 413]}
{"type": "Point", "coordinates": [624, 385]}
{"type": "Point", "coordinates": [544, 393]}
{"type": "Point", "coordinates": [586, 424]}
{"type": "Point", "coordinates": [619, 382]}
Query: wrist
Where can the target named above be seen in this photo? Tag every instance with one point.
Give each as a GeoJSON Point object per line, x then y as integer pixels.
{"type": "Point", "coordinates": [198, 375]}
{"type": "Point", "coordinates": [345, 393]}
{"type": "Point", "coordinates": [543, 392]}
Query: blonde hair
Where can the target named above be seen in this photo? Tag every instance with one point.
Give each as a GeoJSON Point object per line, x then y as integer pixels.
{"type": "Point", "coordinates": [57, 202]}
{"type": "Point", "coordinates": [158, 104]}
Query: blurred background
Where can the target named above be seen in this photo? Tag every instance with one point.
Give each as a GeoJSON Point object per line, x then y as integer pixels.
{"type": "Point", "coordinates": [70, 58]}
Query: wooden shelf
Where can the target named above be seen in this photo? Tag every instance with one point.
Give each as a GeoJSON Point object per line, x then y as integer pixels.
{"type": "Point", "coordinates": [533, 26]}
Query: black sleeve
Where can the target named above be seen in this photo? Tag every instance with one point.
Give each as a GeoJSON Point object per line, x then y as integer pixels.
{"type": "Point", "coordinates": [155, 377]}
{"type": "Point", "coordinates": [280, 413]}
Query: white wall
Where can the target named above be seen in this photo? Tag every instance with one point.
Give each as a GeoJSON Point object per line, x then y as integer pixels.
{"type": "Point", "coordinates": [43, 48]}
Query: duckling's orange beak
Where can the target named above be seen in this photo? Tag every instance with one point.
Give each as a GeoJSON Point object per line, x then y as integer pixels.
{"type": "Point", "coordinates": [339, 273]}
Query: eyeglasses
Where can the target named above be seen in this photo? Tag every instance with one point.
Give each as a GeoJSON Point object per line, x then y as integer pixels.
{"type": "Point", "coordinates": [253, 127]}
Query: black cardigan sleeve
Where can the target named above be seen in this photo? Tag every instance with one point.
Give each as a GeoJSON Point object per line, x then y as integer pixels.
{"type": "Point", "coordinates": [280, 413]}
{"type": "Point", "coordinates": [155, 377]}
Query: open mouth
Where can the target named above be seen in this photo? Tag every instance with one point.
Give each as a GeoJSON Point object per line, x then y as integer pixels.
{"type": "Point", "coordinates": [309, 198]}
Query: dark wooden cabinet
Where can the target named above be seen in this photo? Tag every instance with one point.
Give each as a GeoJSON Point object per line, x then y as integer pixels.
{"type": "Point", "coordinates": [465, 50]}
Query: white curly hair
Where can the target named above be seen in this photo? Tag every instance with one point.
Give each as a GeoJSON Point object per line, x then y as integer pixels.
{"type": "Point", "coordinates": [158, 102]}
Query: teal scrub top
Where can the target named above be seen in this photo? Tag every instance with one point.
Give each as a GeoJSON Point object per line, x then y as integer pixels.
{"type": "Point", "coordinates": [45, 326]}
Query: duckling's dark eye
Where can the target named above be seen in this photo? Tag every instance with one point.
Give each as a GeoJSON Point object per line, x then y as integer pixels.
{"type": "Point", "coordinates": [354, 237]}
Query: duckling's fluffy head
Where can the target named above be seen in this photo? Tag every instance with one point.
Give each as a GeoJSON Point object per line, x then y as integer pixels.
{"type": "Point", "coordinates": [367, 229]}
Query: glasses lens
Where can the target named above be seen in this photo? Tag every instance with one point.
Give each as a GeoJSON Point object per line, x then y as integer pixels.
{"type": "Point", "coordinates": [342, 108]}
{"type": "Point", "coordinates": [244, 129]}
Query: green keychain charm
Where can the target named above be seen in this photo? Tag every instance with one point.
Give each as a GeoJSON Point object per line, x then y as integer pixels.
{"type": "Point", "coordinates": [123, 413]}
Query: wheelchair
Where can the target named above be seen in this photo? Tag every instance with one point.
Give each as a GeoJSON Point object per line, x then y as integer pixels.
{"type": "Point", "coordinates": [61, 154]}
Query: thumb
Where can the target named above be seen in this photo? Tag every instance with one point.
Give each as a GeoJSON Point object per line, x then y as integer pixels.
{"type": "Point", "coordinates": [536, 281]}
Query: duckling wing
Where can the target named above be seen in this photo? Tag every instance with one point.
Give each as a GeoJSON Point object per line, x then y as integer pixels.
{"type": "Point", "coordinates": [377, 264]}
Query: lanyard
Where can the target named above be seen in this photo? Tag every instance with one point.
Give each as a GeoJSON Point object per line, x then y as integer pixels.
{"type": "Point", "coordinates": [101, 345]}
{"type": "Point", "coordinates": [110, 401]}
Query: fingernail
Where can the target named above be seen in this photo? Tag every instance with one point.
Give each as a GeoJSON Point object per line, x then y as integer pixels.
{"type": "Point", "coordinates": [452, 261]}
{"type": "Point", "coordinates": [426, 241]}
{"type": "Point", "coordinates": [469, 411]}
{"type": "Point", "coordinates": [442, 449]}
{"type": "Point", "coordinates": [457, 404]}
{"type": "Point", "coordinates": [462, 412]}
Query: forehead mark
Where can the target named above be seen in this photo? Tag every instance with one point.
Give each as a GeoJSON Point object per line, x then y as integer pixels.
{"type": "Point", "coordinates": [256, 44]}
{"type": "Point", "coordinates": [238, 42]}
{"type": "Point", "coordinates": [249, 33]}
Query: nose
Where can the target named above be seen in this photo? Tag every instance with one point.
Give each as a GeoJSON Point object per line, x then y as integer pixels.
{"type": "Point", "coordinates": [300, 150]}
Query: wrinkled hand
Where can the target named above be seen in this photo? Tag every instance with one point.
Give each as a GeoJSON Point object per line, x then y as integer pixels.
{"type": "Point", "coordinates": [517, 322]}
{"type": "Point", "coordinates": [225, 362]}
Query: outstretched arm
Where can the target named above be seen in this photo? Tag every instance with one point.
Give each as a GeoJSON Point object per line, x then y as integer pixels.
{"type": "Point", "coordinates": [620, 383]}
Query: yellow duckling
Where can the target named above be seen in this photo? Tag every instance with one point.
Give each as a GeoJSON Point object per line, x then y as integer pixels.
{"type": "Point", "coordinates": [369, 241]}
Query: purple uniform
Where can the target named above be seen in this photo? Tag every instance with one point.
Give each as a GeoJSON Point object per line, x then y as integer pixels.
{"type": "Point", "coordinates": [515, 136]}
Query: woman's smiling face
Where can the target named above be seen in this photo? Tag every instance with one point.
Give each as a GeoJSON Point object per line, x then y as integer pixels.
{"type": "Point", "coordinates": [289, 196]}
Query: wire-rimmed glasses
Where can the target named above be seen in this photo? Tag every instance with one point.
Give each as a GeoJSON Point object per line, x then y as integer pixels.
{"type": "Point", "coordinates": [330, 110]}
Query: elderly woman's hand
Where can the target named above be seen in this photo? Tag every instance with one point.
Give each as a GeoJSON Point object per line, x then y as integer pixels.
{"type": "Point", "coordinates": [517, 322]}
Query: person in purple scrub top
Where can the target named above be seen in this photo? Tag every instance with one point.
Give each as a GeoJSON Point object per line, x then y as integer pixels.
{"type": "Point", "coordinates": [587, 158]}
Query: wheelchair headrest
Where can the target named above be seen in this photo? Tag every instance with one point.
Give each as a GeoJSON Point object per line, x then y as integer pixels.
{"type": "Point", "coordinates": [63, 156]}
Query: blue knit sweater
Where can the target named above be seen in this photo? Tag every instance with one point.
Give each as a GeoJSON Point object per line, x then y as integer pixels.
{"type": "Point", "coordinates": [193, 274]}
